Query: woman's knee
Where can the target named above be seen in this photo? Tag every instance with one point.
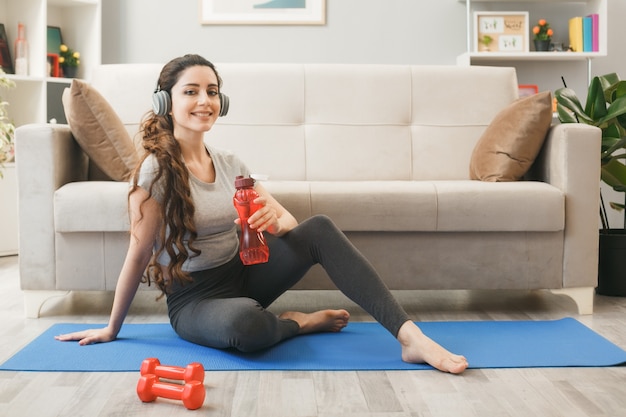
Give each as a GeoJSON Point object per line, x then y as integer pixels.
{"type": "Point", "coordinates": [320, 224]}
{"type": "Point", "coordinates": [251, 327]}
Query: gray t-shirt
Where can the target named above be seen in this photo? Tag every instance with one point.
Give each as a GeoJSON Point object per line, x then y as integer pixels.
{"type": "Point", "coordinates": [215, 214]}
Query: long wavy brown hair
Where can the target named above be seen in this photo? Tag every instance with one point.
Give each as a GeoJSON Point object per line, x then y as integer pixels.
{"type": "Point", "coordinates": [177, 208]}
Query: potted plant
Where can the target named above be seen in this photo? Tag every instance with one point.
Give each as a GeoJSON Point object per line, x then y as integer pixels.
{"type": "Point", "coordinates": [605, 108]}
{"type": "Point", "coordinates": [486, 41]}
{"type": "Point", "coordinates": [7, 129]}
{"type": "Point", "coordinates": [543, 35]}
{"type": "Point", "coordinates": [69, 60]}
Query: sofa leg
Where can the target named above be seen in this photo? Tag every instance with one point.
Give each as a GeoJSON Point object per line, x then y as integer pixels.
{"type": "Point", "coordinates": [583, 296]}
{"type": "Point", "coordinates": [34, 300]}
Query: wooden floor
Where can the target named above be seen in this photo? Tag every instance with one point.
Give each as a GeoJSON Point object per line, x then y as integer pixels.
{"type": "Point", "coordinates": [568, 392]}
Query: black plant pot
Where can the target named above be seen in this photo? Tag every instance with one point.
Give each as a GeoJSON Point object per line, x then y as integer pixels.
{"type": "Point", "coordinates": [612, 263]}
{"type": "Point", "coordinates": [70, 72]}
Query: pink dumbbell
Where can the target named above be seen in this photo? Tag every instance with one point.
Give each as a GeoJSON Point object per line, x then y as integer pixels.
{"type": "Point", "coordinates": [192, 372]}
{"type": "Point", "coordinates": [192, 394]}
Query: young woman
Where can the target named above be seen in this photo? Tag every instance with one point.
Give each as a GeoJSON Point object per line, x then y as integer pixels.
{"type": "Point", "coordinates": [184, 238]}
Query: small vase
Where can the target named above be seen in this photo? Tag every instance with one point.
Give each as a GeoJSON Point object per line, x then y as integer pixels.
{"type": "Point", "coordinates": [70, 72]}
{"type": "Point", "coordinates": [542, 46]}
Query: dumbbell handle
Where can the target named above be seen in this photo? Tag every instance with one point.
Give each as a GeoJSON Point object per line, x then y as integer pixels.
{"type": "Point", "coordinates": [174, 372]}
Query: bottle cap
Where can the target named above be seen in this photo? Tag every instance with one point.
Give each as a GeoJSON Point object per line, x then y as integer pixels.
{"type": "Point", "coordinates": [241, 182]}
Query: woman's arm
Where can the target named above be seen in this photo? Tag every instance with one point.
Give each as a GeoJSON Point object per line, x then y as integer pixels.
{"type": "Point", "coordinates": [273, 217]}
{"type": "Point", "coordinates": [144, 229]}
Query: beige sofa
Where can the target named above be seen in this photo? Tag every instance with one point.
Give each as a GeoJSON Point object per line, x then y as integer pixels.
{"type": "Point", "coordinates": [384, 150]}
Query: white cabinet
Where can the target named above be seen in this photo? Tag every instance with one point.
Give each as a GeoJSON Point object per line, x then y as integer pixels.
{"type": "Point", "coordinates": [557, 13]}
{"type": "Point", "coordinates": [80, 23]}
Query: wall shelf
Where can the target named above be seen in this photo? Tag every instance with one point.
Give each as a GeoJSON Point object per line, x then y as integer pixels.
{"type": "Point", "coordinates": [80, 23]}
{"type": "Point", "coordinates": [555, 11]}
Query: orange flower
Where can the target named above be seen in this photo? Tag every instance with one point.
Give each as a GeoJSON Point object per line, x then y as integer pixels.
{"type": "Point", "coordinates": [542, 31]}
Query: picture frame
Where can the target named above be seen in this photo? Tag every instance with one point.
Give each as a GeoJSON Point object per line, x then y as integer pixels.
{"type": "Point", "coordinates": [6, 62]}
{"type": "Point", "coordinates": [262, 12]}
{"type": "Point", "coordinates": [502, 32]}
{"type": "Point", "coordinates": [55, 40]}
{"type": "Point", "coordinates": [526, 90]}
{"type": "Point", "coordinates": [53, 66]}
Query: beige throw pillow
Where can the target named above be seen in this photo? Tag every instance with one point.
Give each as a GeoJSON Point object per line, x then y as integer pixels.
{"type": "Point", "coordinates": [511, 142]}
{"type": "Point", "coordinates": [99, 130]}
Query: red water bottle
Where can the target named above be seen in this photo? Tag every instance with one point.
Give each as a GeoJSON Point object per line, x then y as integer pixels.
{"type": "Point", "coordinates": [252, 246]}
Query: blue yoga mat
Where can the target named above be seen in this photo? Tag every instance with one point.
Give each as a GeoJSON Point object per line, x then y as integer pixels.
{"type": "Point", "coordinates": [360, 346]}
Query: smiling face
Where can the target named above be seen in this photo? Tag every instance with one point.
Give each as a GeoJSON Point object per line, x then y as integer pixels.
{"type": "Point", "coordinates": [195, 101]}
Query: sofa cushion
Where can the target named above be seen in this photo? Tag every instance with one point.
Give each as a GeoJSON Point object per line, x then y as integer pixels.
{"type": "Point", "coordinates": [511, 142]}
{"type": "Point", "coordinates": [427, 206]}
{"type": "Point", "coordinates": [482, 206]}
{"type": "Point", "coordinates": [99, 131]}
{"type": "Point", "coordinates": [91, 206]}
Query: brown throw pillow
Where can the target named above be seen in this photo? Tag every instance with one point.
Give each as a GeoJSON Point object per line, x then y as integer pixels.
{"type": "Point", "coordinates": [511, 142]}
{"type": "Point", "coordinates": [99, 130]}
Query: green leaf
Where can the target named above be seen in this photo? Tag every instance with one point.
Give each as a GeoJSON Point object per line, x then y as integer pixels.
{"type": "Point", "coordinates": [617, 108]}
{"type": "Point", "coordinates": [565, 116]}
{"type": "Point", "coordinates": [614, 174]}
{"type": "Point", "coordinates": [596, 103]}
{"type": "Point", "coordinates": [566, 97]}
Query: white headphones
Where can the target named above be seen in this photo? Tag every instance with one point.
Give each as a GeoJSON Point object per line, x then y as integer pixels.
{"type": "Point", "coordinates": [162, 103]}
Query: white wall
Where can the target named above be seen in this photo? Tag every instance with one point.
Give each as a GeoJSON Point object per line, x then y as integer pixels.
{"type": "Point", "coordinates": [358, 31]}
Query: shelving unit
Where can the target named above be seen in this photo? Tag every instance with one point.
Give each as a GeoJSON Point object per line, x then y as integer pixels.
{"type": "Point", "coordinates": [37, 97]}
{"type": "Point", "coordinates": [80, 23]}
{"type": "Point", "coordinates": [557, 12]}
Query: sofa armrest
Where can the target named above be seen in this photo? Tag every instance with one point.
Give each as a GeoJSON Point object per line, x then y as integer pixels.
{"type": "Point", "coordinates": [47, 157]}
{"type": "Point", "coordinates": [570, 160]}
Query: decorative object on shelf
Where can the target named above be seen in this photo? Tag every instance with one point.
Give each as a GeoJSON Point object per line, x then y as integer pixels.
{"type": "Point", "coordinates": [69, 61]}
{"type": "Point", "coordinates": [269, 12]}
{"type": "Point", "coordinates": [543, 35]}
{"type": "Point", "coordinates": [508, 31]}
{"type": "Point", "coordinates": [53, 65]}
{"type": "Point", "coordinates": [54, 39]}
{"type": "Point", "coordinates": [21, 51]}
{"type": "Point", "coordinates": [485, 41]}
{"type": "Point", "coordinates": [7, 129]}
{"type": "Point", "coordinates": [605, 108]}
{"type": "Point", "coordinates": [526, 90]}
{"type": "Point", "coordinates": [6, 63]}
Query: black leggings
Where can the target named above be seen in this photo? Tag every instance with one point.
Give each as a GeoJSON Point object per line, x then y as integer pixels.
{"type": "Point", "coordinates": [226, 306]}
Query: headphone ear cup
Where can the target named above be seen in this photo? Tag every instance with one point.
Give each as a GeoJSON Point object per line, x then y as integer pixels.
{"type": "Point", "coordinates": [161, 103]}
{"type": "Point", "coordinates": [224, 103]}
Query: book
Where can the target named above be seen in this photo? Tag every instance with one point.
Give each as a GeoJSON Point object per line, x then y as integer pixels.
{"type": "Point", "coordinates": [576, 33]}
{"type": "Point", "coordinates": [595, 32]}
{"type": "Point", "coordinates": [587, 34]}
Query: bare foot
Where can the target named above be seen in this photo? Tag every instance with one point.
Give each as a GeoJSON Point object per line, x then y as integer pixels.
{"type": "Point", "coordinates": [319, 321]}
{"type": "Point", "coordinates": [419, 348]}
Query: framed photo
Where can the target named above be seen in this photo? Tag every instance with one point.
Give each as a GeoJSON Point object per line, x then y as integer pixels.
{"type": "Point", "coordinates": [53, 65]}
{"type": "Point", "coordinates": [54, 39]}
{"type": "Point", "coordinates": [5, 52]}
{"type": "Point", "coordinates": [262, 12]}
{"type": "Point", "coordinates": [501, 32]}
{"type": "Point", "coordinates": [526, 90]}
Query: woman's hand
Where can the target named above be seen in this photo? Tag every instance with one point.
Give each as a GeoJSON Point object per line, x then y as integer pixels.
{"type": "Point", "coordinates": [88, 337]}
{"type": "Point", "coordinates": [265, 218]}
{"type": "Point", "coordinates": [272, 217]}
